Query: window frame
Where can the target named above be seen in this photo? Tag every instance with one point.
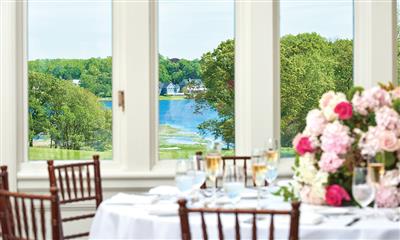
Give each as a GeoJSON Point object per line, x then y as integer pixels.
{"type": "Point", "coordinates": [256, 36]}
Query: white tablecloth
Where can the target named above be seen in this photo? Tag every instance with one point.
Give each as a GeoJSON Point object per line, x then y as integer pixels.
{"type": "Point", "coordinates": [136, 221]}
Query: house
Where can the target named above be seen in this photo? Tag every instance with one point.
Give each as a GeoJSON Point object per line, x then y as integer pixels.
{"type": "Point", "coordinates": [76, 82]}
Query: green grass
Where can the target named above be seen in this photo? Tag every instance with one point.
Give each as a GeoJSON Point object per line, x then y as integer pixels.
{"type": "Point", "coordinates": [171, 98]}
{"type": "Point", "coordinates": [42, 153]}
{"type": "Point", "coordinates": [287, 152]}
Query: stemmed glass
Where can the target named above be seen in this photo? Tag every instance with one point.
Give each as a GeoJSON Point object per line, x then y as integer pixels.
{"type": "Point", "coordinates": [213, 164]}
{"type": "Point", "coordinates": [233, 182]}
{"type": "Point", "coordinates": [362, 188]}
{"type": "Point", "coordinates": [259, 168]}
{"type": "Point", "coordinates": [183, 178]}
{"type": "Point", "coordinates": [272, 160]}
{"type": "Point", "coordinates": [376, 170]}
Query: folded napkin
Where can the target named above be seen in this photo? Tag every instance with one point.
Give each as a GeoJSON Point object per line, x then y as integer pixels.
{"type": "Point", "coordinates": [123, 198]}
{"type": "Point", "coordinates": [165, 191]}
{"type": "Point", "coordinates": [168, 209]}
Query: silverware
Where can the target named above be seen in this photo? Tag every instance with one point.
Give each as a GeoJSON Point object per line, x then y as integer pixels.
{"type": "Point", "coordinates": [352, 222]}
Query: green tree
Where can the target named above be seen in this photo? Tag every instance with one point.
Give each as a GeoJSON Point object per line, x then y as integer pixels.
{"type": "Point", "coordinates": [217, 73]}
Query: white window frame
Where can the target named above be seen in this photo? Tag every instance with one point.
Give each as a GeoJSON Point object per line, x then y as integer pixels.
{"type": "Point", "coordinates": [256, 90]}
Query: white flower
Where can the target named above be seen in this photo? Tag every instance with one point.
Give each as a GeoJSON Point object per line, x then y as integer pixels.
{"type": "Point", "coordinates": [306, 170]}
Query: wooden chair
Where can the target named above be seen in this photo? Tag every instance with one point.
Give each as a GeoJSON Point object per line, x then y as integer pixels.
{"type": "Point", "coordinates": [225, 160]}
{"type": "Point", "coordinates": [294, 214]}
{"type": "Point", "coordinates": [76, 184]}
{"type": "Point", "coordinates": [23, 216]}
{"type": "Point", "coordinates": [3, 178]}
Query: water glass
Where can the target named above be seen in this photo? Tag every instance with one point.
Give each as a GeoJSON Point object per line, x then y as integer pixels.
{"type": "Point", "coordinates": [272, 160]}
{"type": "Point", "coordinates": [183, 177]}
{"type": "Point", "coordinates": [233, 182]}
{"type": "Point", "coordinates": [362, 188]}
{"type": "Point", "coordinates": [199, 173]}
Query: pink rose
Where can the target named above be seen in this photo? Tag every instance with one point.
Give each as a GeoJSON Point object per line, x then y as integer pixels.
{"type": "Point", "coordinates": [344, 110]}
{"type": "Point", "coordinates": [304, 146]}
{"type": "Point", "coordinates": [330, 162]}
{"type": "Point", "coordinates": [335, 194]}
{"type": "Point", "coordinates": [316, 122]}
{"type": "Point", "coordinates": [326, 99]}
{"type": "Point", "coordinates": [388, 141]}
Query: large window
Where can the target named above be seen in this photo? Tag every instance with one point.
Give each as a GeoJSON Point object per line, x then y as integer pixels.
{"type": "Point", "coordinates": [69, 79]}
{"type": "Point", "coordinates": [316, 56]}
{"type": "Point", "coordinates": [196, 76]}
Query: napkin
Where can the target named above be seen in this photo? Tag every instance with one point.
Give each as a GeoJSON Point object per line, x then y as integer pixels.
{"type": "Point", "coordinates": [123, 198]}
{"type": "Point", "coordinates": [168, 209]}
{"type": "Point", "coordinates": [165, 191]}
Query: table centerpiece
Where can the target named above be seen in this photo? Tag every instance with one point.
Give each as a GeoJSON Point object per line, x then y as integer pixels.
{"type": "Point", "coordinates": [344, 132]}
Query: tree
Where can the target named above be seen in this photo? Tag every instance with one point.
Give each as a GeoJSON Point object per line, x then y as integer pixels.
{"type": "Point", "coordinates": [217, 73]}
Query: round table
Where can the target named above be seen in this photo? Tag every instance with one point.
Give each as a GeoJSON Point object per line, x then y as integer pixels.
{"type": "Point", "coordinates": [160, 221]}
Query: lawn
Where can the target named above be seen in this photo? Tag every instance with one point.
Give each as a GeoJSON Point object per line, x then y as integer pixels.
{"type": "Point", "coordinates": [43, 153]}
{"type": "Point", "coordinates": [171, 98]}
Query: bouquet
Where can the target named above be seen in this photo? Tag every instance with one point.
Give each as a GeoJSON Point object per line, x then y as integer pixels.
{"type": "Point", "coordinates": [342, 133]}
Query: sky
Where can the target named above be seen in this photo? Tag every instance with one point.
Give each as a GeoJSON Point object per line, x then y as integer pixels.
{"type": "Point", "coordinates": [187, 28]}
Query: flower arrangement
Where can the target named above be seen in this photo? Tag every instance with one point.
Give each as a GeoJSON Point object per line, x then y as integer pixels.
{"type": "Point", "coordinates": [343, 133]}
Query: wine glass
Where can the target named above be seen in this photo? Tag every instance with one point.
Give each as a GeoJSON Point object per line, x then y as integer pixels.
{"type": "Point", "coordinates": [272, 160]}
{"type": "Point", "coordinates": [362, 188]}
{"type": "Point", "coordinates": [233, 182]}
{"type": "Point", "coordinates": [183, 178]}
{"type": "Point", "coordinates": [213, 164]}
{"type": "Point", "coordinates": [376, 170]}
{"type": "Point", "coordinates": [259, 169]}
{"type": "Point", "coordinates": [199, 173]}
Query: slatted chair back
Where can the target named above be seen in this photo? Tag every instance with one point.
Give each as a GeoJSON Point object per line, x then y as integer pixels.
{"type": "Point", "coordinates": [77, 182]}
{"type": "Point", "coordinates": [23, 216]}
{"type": "Point", "coordinates": [3, 178]}
{"type": "Point", "coordinates": [184, 212]}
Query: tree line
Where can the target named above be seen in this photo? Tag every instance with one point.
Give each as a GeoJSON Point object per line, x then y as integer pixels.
{"type": "Point", "coordinates": [74, 118]}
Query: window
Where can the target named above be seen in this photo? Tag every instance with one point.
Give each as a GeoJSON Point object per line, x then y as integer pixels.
{"type": "Point", "coordinates": [316, 56]}
{"type": "Point", "coordinates": [196, 76]}
{"type": "Point", "coordinates": [69, 79]}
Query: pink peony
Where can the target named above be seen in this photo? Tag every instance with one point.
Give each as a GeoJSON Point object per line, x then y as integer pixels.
{"type": "Point", "coordinates": [335, 195]}
{"type": "Point", "coordinates": [326, 99]}
{"type": "Point", "coordinates": [330, 162]}
{"type": "Point", "coordinates": [335, 138]}
{"type": "Point", "coordinates": [369, 142]}
{"type": "Point", "coordinates": [308, 196]}
{"type": "Point", "coordinates": [388, 141]}
{"type": "Point", "coordinates": [344, 110]}
{"type": "Point", "coordinates": [316, 122]}
{"type": "Point", "coordinates": [387, 118]}
{"type": "Point", "coordinates": [387, 196]}
{"type": "Point", "coordinates": [304, 145]}
{"type": "Point", "coordinates": [371, 99]}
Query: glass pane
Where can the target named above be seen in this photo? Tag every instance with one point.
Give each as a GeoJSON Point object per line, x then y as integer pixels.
{"type": "Point", "coordinates": [70, 79]}
{"type": "Point", "coordinates": [196, 76]}
{"type": "Point", "coordinates": [316, 56]}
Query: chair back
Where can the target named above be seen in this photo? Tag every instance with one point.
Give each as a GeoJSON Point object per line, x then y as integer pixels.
{"type": "Point", "coordinates": [294, 214]}
{"type": "Point", "coordinates": [23, 216]}
{"type": "Point", "coordinates": [77, 182]}
{"type": "Point", "coordinates": [3, 178]}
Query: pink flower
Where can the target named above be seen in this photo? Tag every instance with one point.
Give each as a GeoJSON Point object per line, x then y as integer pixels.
{"type": "Point", "coordinates": [388, 197]}
{"type": "Point", "coordinates": [335, 195]}
{"type": "Point", "coordinates": [326, 99]}
{"type": "Point", "coordinates": [316, 122]}
{"type": "Point", "coordinates": [330, 162]}
{"type": "Point", "coordinates": [360, 106]}
{"type": "Point", "coordinates": [388, 141]}
{"type": "Point", "coordinates": [344, 110]}
{"type": "Point", "coordinates": [304, 145]}
{"type": "Point", "coordinates": [308, 196]}
{"type": "Point", "coordinates": [369, 142]}
{"type": "Point", "coordinates": [335, 138]}
{"type": "Point", "coordinates": [387, 118]}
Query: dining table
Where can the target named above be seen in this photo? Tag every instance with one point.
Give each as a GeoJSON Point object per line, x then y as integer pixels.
{"type": "Point", "coordinates": [154, 215]}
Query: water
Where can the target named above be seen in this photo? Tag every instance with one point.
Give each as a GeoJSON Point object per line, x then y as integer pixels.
{"type": "Point", "coordinates": [180, 114]}
{"type": "Point", "coordinates": [233, 189]}
{"type": "Point", "coordinates": [364, 194]}
{"type": "Point", "coordinates": [184, 182]}
{"type": "Point", "coordinates": [271, 174]}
